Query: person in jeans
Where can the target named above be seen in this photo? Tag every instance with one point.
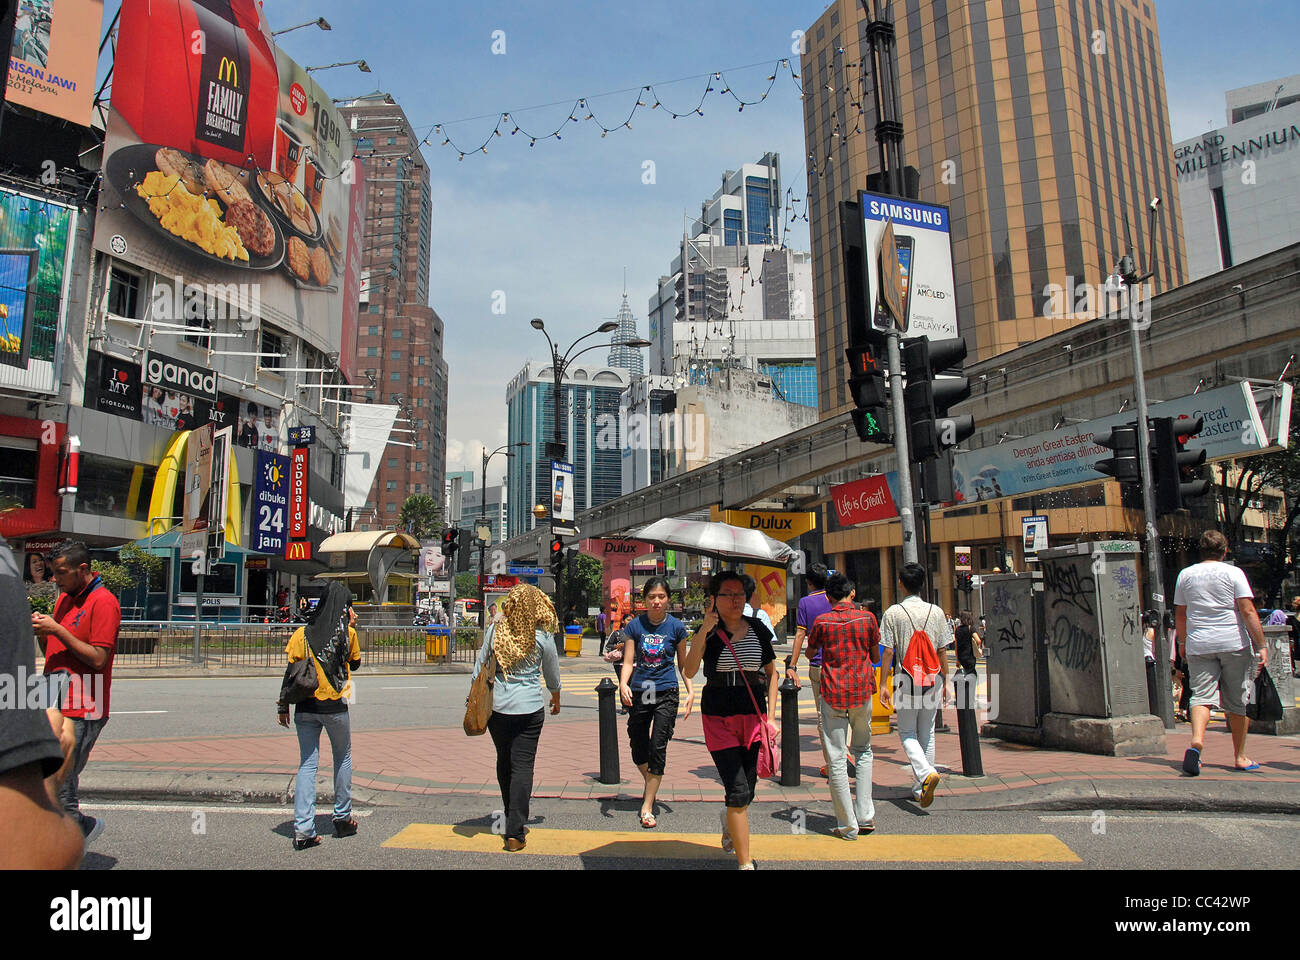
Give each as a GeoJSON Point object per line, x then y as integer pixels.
{"type": "Point", "coordinates": [810, 608]}
{"type": "Point", "coordinates": [848, 640]}
{"type": "Point", "coordinates": [732, 729]}
{"type": "Point", "coordinates": [1216, 623]}
{"type": "Point", "coordinates": [330, 639]}
{"type": "Point", "coordinates": [916, 708]}
{"type": "Point", "coordinates": [80, 641]}
{"type": "Point", "coordinates": [648, 688]}
{"type": "Point", "coordinates": [524, 646]}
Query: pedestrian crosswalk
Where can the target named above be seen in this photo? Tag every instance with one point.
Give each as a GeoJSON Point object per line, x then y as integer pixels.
{"type": "Point", "coordinates": [791, 848]}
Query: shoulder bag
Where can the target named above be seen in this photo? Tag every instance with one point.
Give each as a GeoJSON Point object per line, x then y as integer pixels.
{"type": "Point", "coordinates": [478, 705]}
{"type": "Point", "coordinates": [300, 677]}
{"type": "Point", "coordinates": [769, 753]}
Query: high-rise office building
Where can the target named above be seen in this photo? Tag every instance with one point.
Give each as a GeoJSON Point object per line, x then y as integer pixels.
{"type": "Point", "coordinates": [399, 336]}
{"type": "Point", "coordinates": [589, 428]}
{"type": "Point", "coordinates": [629, 358]}
{"type": "Point", "coordinates": [1042, 125]}
{"type": "Point", "coordinates": [733, 296]}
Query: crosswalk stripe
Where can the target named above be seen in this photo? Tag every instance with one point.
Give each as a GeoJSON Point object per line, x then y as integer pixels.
{"type": "Point", "coordinates": [907, 848]}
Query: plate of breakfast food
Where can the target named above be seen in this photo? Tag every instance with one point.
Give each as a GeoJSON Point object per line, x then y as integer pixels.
{"type": "Point", "coordinates": [204, 205]}
{"type": "Point", "coordinates": [289, 205]}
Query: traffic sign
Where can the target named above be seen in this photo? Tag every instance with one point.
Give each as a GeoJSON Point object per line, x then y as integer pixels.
{"type": "Point", "coordinates": [526, 571]}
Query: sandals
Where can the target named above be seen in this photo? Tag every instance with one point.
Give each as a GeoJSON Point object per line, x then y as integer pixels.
{"type": "Point", "coordinates": [1192, 762]}
{"type": "Point", "coordinates": [648, 821]}
{"type": "Point", "coordinates": [1246, 769]}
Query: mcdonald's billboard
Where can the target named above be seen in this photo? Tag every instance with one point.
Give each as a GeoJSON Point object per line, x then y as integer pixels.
{"type": "Point", "coordinates": [299, 502]}
{"type": "Point", "coordinates": [297, 550]}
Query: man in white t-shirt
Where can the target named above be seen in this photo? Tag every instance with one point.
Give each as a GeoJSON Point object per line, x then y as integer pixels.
{"type": "Point", "coordinates": [916, 710]}
{"type": "Point", "coordinates": [1216, 624]}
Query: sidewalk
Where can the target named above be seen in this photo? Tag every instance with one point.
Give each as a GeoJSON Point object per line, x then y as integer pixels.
{"type": "Point", "coordinates": [391, 763]}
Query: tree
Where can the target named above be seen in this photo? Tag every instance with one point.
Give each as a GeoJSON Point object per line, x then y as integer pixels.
{"type": "Point", "coordinates": [583, 584]}
{"type": "Point", "coordinates": [1273, 471]}
{"type": "Point", "coordinates": [466, 585]}
{"type": "Point", "coordinates": [420, 516]}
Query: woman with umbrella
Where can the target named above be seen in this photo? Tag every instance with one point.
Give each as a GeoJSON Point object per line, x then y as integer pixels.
{"type": "Point", "coordinates": [740, 675]}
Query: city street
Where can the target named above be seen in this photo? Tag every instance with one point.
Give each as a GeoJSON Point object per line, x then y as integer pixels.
{"type": "Point", "coordinates": [450, 832]}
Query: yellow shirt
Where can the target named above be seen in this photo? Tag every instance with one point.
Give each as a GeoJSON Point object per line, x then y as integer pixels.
{"type": "Point", "coordinates": [297, 649]}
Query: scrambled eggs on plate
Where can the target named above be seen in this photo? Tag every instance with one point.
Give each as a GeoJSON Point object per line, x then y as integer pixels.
{"type": "Point", "coordinates": [191, 218]}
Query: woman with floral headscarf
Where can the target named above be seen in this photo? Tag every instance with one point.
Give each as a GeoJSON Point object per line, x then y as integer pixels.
{"type": "Point", "coordinates": [521, 639]}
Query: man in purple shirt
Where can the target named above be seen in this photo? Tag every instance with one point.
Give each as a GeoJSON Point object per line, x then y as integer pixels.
{"type": "Point", "coordinates": [810, 608]}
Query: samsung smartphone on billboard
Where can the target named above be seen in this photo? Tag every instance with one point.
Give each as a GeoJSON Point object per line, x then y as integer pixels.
{"type": "Point", "coordinates": [561, 492]}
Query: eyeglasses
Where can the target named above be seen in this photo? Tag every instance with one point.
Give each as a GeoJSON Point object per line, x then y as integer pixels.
{"type": "Point", "coordinates": [731, 596]}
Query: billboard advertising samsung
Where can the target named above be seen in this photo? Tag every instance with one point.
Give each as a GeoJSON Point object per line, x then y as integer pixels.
{"type": "Point", "coordinates": [227, 165]}
{"type": "Point", "coordinates": [924, 247]}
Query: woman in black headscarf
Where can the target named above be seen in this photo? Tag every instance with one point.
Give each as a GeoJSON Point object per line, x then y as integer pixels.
{"type": "Point", "coordinates": [331, 640]}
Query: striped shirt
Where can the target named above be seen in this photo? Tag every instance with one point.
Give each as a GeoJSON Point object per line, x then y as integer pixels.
{"type": "Point", "coordinates": [755, 652]}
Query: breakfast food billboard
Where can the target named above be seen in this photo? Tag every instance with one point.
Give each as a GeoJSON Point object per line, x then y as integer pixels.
{"type": "Point", "coordinates": [226, 164]}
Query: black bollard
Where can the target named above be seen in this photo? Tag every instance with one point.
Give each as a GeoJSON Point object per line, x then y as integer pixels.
{"type": "Point", "coordinates": [606, 691]}
{"type": "Point", "coordinates": [968, 734]}
{"type": "Point", "coordinates": [789, 733]}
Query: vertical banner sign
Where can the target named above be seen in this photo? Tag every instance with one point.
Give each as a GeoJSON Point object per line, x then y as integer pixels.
{"type": "Point", "coordinates": [924, 285]}
{"type": "Point", "coordinates": [198, 486]}
{"type": "Point", "coordinates": [561, 504]}
{"type": "Point", "coordinates": [299, 505]}
{"type": "Point", "coordinates": [270, 502]}
{"type": "Point", "coordinates": [1034, 531]}
{"type": "Point", "coordinates": [222, 440]}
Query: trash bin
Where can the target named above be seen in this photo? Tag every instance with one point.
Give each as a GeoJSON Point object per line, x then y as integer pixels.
{"type": "Point", "coordinates": [436, 641]}
{"type": "Point", "coordinates": [573, 641]}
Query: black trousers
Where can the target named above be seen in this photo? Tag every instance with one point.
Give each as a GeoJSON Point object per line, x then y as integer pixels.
{"type": "Point", "coordinates": [650, 727]}
{"type": "Point", "coordinates": [515, 737]}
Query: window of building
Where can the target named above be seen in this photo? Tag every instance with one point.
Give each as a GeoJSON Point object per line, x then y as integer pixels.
{"type": "Point", "coordinates": [273, 344]}
{"type": "Point", "coordinates": [372, 351]}
{"type": "Point", "coordinates": [374, 308]}
{"type": "Point", "coordinates": [374, 331]}
{"type": "Point", "coordinates": [390, 508]}
{"type": "Point", "coordinates": [392, 462]}
{"type": "Point", "coordinates": [390, 485]}
{"type": "Point", "coordinates": [395, 377]}
{"type": "Point", "coordinates": [20, 457]}
{"type": "Point", "coordinates": [198, 323]}
{"type": "Point", "coordinates": [124, 293]}
{"type": "Point", "coordinates": [397, 354]}
{"type": "Point", "coordinates": [397, 334]}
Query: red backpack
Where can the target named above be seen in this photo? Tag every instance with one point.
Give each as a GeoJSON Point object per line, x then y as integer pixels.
{"type": "Point", "coordinates": [920, 662]}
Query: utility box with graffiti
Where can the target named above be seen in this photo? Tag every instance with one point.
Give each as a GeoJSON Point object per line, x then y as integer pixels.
{"type": "Point", "coordinates": [1017, 678]}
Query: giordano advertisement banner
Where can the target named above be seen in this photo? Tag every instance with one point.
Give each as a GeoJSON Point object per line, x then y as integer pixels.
{"type": "Point", "coordinates": [227, 166]}
{"type": "Point", "coordinates": [783, 526]}
{"type": "Point", "coordinates": [115, 386]}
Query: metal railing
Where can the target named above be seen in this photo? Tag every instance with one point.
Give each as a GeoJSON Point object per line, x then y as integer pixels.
{"type": "Point", "coordinates": [164, 644]}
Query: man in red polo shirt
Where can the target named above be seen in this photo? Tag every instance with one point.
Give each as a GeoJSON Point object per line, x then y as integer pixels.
{"type": "Point", "coordinates": [80, 640]}
{"type": "Point", "coordinates": [848, 640]}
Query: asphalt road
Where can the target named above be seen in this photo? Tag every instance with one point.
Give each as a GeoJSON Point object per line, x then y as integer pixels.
{"type": "Point", "coordinates": [237, 837]}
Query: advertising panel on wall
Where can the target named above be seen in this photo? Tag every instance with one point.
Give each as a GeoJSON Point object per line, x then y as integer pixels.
{"type": "Point", "coordinates": [270, 502]}
{"type": "Point", "coordinates": [616, 558]}
{"type": "Point", "coordinates": [226, 164]}
{"type": "Point", "coordinates": [198, 489]}
{"type": "Point", "coordinates": [924, 247]}
{"type": "Point", "coordinates": [35, 241]}
{"type": "Point", "coordinates": [561, 504]}
{"type": "Point", "coordinates": [53, 56]}
{"type": "Point", "coordinates": [114, 386]}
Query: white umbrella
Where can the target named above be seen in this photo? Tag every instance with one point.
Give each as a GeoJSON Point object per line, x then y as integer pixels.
{"type": "Point", "coordinates": [720, 540]}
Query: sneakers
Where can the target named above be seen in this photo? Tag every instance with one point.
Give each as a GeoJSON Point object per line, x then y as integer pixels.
{"type": "Point", "coordinates": [91, 828]}
{"type": "Point", "coordinates": [927, 789]}
{"type": "Point", "coordinates": [844, 833]}
{"type": "Point", "coordinates": [345, 828]}
{"type": "Point", "coordinates": [302, 843]}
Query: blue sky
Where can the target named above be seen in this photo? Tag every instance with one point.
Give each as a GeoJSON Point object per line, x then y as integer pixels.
{"type": "Point", "coordinates": [555, 225]}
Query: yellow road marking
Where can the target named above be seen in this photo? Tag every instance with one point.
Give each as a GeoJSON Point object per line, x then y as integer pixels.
{"type": "Point", "coordinates": [659, 845]}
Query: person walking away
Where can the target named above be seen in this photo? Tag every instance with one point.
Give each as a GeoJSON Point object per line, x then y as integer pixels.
{"type": "Point", "coordinates": [911, 621]}
{"type": "Point", "coordinates": [1293, 622]}
{"type": "Point", "coordinates": [1150, 623]}
{"type": "Point", "coordinates": [736, 678]}
{"type": "Point", "coordinates": [648, 688]}
{"type": "Point", "coordinates": [523, 642]}
{"type": "Point", "coordinates": [849, 642]}
{"type": "Point", "coordinates": [751, 610]}
{"type": "Point", "coordinates": [1214, 615]}
{"type": "Point", "coordinates": [810, 608]}
{"type": "Point", "coordinates": [602, 622]}
{"type": "Point", "coordinates": [80, 640]}
{"type": "Point", "coordinates": [330, 639]}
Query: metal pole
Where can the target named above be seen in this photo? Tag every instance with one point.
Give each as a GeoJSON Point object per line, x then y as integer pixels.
{"type": "Point", "coordinates": [905, 513]}
{"type": "Point", "coordinates": [1155, 573]}
{"type": "Point", "coordinates": [559, 571]}
{"type": "Point", "coordinates": [198, 615]}
{"type": "Point", "coordinates": [482, 516]}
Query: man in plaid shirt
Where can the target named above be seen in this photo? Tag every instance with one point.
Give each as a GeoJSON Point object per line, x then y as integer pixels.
{"type": "Point", "coordinates": [849, 640]}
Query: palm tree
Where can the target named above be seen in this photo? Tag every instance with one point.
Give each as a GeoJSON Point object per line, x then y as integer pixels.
{"type": "Point", "coordinates": [420, 516]}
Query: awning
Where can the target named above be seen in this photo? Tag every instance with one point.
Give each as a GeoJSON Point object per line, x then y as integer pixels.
{"type": "Point", "coordinates": [363, 541]}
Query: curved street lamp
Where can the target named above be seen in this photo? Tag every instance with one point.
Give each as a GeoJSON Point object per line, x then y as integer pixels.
{"type": "Point", "coordinates": [318, 22]}
{"type": "Point", "coordinates": [361, 65]}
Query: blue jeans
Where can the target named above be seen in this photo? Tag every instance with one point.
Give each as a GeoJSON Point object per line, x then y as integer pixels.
{"type": "Point", "coordinates": [87, 732]}
{"type": "Point", "coordinates": [339, 728]}
{"type": "Point", "coordinates": [845, 731]}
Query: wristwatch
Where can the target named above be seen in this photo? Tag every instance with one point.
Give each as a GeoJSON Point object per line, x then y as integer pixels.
{"type": "Point", "coordinates": [787, 662]}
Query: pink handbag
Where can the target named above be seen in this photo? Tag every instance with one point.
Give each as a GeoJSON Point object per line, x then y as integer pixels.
{"type": "Point", "coordinates": [769, 753]}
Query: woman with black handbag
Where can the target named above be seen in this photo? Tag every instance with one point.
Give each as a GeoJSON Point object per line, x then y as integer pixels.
{"type": "Point", "coordinates": [521, 644]}
{"type": "Point", "coordinates": [329, 639]}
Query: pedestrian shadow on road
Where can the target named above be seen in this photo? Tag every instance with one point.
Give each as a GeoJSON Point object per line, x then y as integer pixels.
{"type": "Point", "coordinates": [492, 824]}
{"type": "Point", "coordinates": [610, 807]}
{"type": "Point", "coordinates": [658, 855]}
{"type": "Point", "coordinates": [803, 820]}
{"type": "Point", "coordinates": [98, 861]}
{"type": "Point", "coordinates": [901, 797]}
{"type": "Point", "coordinates": [323, 824]}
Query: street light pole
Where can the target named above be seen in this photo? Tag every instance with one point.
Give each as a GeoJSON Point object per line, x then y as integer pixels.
{"type": "Point", "coordinates": [482, 517]}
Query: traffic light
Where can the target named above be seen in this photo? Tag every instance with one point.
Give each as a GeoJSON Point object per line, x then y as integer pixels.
{"type": "Point", "coordinates": [870, 395]}
{"type": "Point", "coordinates": [1123, 465]}
{"type": "Point", "coordinates": [557, 555]}
{"type": "Point", "coordinates": [964, 583]}
{"type": "Point", "coordinates": [926, 400]}
{"type": "Point", "coordinates": [1175, 468]}
{"type": "Point", "coordinates": [450, 541]}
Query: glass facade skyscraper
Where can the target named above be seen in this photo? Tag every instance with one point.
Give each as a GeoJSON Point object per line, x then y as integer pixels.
{"type": "Point", "coordinates": [628, 358]}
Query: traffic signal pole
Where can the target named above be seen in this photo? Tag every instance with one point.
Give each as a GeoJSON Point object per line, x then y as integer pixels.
{"type": "Point", "coordinates": [906, 514]}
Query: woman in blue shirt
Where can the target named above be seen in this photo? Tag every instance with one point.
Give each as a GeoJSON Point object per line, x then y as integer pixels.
{"type": "Point", "coordinates": [648, 688]}
{"type": "Point", "coordinates": [525, 656]}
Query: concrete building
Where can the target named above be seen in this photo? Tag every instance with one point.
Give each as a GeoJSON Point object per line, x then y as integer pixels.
{"type": "Point", "coordinates": [741, 298]}
{"type": "Point", "coordinates": [1046, 151]}
{"type": "Point", "coordinates": [590, 431]}
{"type": "Point", "coordinates": [400, 337]}
{"type": "Point", "coordinates": [1239, 185]}
{"type": "Point", "coordinates": [641, 409]}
